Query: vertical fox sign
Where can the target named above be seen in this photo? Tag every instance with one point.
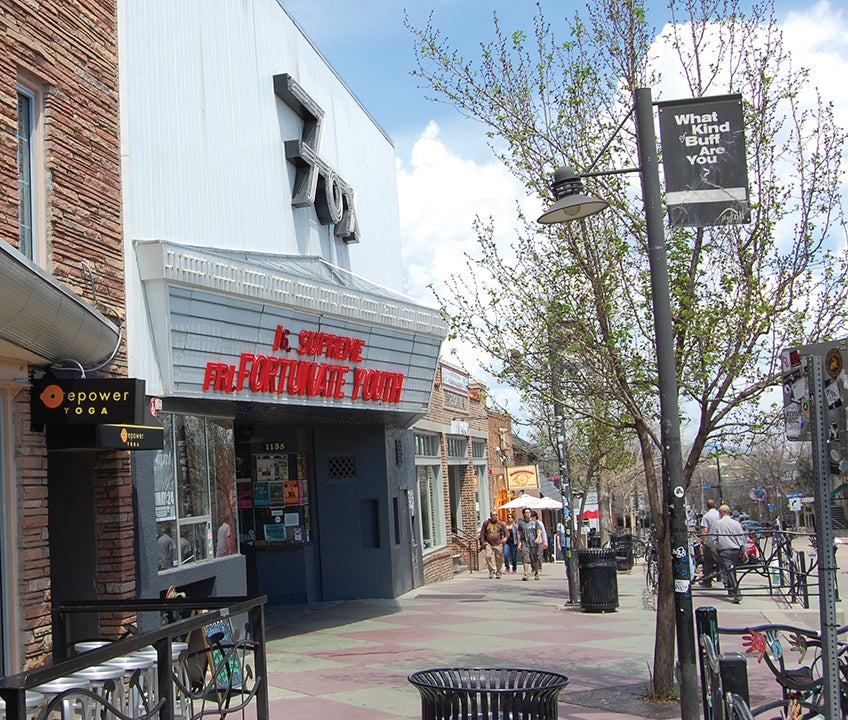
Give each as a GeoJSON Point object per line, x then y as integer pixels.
{"type": "Point", "coordinates": [703, 157]}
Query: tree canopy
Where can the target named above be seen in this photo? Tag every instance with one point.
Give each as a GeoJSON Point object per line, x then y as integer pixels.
{"type": "Point", "coordinates": [565, 312]}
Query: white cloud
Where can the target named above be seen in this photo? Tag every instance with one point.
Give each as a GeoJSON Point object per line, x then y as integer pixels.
{"type": "Point", "coordinates": [440, 193]}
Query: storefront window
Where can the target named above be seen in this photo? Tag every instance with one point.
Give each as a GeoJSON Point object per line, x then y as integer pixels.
{"type": "Point", "coordinates": [430, 504]}
{"type": "Point", "coordinates": [195, 491]}
{"type": "Point", "coordinates": [482, 493]}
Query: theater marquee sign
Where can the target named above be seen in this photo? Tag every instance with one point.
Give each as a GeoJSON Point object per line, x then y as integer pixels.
{"type": "Point", "coordinates": [310, 363]}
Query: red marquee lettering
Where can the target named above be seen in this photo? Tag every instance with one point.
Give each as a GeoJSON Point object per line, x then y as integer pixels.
{"type": "Point", "coordinates": [243, 371]}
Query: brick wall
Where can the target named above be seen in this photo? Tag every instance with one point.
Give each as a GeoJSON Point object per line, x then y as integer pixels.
{"type": "Point", "coordinates": [115, 537]}
{"type": "Point", "coordinates": [67, 51]}
{"type": "Point", "coordinates": [33, 550]}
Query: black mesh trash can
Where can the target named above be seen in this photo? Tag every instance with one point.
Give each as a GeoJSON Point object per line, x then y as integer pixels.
{"type": "Point", "coordinates": [623, 546]}
{"type": "Point", "coordinates": [483, 693]}
{"type": "Point", "coordinates": [598, 580]}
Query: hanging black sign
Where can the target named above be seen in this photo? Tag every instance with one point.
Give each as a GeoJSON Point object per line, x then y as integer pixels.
{"type": "Point", "coordinates": [105, 437]}
{"type": "Point", "coordinates": [87, 401]}
{"type": "Point", "coordinates": [704, 161]}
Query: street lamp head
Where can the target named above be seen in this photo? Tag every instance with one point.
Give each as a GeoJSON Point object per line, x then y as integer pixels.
{"type": "Point", "coordinates": [571, 203]}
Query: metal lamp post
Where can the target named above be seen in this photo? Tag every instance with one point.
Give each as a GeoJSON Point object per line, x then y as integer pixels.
{"type": "Point", "coordinates": [572, 204]}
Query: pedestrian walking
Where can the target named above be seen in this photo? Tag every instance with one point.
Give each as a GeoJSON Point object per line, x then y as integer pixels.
{"type": "Point", "coordinates": [530, 543]}
{"type": "Point", "coordinates": [492, 538]}
{"type": "Point", "coordinates": [730, 541]}
{"type": "Point", "coordinates": [543, 550]}
{"type": "Point", "coordinates": [708, 564]}
{"type": "Point", "coordinates": [510, 551]}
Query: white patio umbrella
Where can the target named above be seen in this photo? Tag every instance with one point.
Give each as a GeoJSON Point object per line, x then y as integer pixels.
{"type": "Point", "coordinates": [546, 503]}
{"type": "Point", "coordinates": [523, 501]}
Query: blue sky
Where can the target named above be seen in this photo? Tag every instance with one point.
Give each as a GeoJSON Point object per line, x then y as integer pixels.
{"type": "Point", "coordinates": [368, 45]}
{"type": "Point", "coordinates": [446, 174]}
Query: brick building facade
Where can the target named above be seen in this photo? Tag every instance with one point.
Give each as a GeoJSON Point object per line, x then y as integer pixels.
{"type": "Point", "coordinates": [61, 239]}
{"type": "Point", "coordinates": [461, 450]}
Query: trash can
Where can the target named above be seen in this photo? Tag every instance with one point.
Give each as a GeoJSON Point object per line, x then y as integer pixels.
{"type": "Point", "coordinates": [598, 580]}
{"type": "Point", "coordinates": [623, 546]}
{"type": "Point", "coordinates": [483, 693]}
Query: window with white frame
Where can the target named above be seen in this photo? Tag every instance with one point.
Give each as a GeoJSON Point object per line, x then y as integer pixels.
{"type": "Point", "coordinates": [426, 445]}
{"type": "Point", "coordinates": [430, 506]}
{"type": "Point", "coordinates": [457, 447]}
{"type": "Point", "coordinates": [29, 116]}
{"type": "Point", "coordinates": [478, 449]}
{"type": "Point", "coordinates": [194, 485]}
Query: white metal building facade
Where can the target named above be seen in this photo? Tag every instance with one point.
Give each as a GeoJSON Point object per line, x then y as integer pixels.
{"type": "Point", "coordinates": [264, 310]}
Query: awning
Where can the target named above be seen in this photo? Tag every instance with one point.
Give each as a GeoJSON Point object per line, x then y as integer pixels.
{"type": "Point", "coordinates": [223, 315]}
{"type": "Point", "coordinates": [42, 321]}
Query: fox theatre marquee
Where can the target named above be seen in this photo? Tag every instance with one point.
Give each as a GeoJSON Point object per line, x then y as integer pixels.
{"type": "Point", "coordinates": [239, 330]}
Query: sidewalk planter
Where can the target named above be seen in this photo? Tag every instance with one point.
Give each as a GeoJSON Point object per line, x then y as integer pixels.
{"type": "Point", "coordinates": [474, 693]}
{"type": "Point", "coordinates": [598, 581]}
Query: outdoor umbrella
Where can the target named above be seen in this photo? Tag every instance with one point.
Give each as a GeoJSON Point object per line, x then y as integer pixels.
{"type": "Point", "coordinates": [529, 501]}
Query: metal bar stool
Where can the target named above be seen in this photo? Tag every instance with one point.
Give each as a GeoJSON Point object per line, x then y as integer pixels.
{"type": "Point", "coordinates": [107, 681]}
{"type": "Point", "coordinates": [182, 704]}
{"type": "Point", "coordinates": [72, 706]}
{"type": "Point", "coordinates": [86, 645]}
{"type": "Point", "coordinates": [140, 681]}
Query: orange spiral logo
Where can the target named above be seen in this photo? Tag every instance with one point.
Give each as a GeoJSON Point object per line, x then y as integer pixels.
{"type": "Point", "coordinates": [52, 396]}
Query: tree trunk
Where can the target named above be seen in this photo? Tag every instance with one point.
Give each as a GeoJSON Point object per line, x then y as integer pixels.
{"type": "Point", "coordinates": [663, 671]}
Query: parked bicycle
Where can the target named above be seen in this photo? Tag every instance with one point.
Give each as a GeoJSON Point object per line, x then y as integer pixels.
{"type": "Point", "coordinates": [652, 562]}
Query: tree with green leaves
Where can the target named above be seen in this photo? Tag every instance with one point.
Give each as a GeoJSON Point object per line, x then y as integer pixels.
{"type": "Point", "coordinates": [574, 301]}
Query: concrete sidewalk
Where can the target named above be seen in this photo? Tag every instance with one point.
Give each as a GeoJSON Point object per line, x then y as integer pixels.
{"type": "Point", "coordinates": [351, 659]}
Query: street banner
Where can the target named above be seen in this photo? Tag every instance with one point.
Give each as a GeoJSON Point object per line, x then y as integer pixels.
{"type": "Point", "coordinates": [704, 161]}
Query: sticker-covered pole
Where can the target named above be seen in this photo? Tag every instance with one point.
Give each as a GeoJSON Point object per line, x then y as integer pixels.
{"type": "Point", "coordinates": [669, 413]}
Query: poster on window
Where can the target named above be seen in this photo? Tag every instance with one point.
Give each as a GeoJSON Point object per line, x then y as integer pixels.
{"type": "Point", "coordinates": [244, 494]}
{"type": "Point", "coordinates": [276, 494]}
{"type": "Point", "coordinates": [261, 495]}
{"type": "Point", "coordinates": [292, 492]}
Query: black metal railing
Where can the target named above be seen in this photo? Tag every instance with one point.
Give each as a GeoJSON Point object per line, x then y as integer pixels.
{"type": "Point", "coordinates": [776, 569]}
{"type": "Point", "coordinates": [470, 546]}
{"type": "Point", "coordinates": [798, 684]}
{"type": "Point", "coordinates": [225, 675]}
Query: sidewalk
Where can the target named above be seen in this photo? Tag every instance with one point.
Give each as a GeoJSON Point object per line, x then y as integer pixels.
{"type": "Point", "coordinates": [351, 659]}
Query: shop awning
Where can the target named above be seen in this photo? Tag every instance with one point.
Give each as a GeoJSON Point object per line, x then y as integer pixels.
{"type": "Point", "coordinates": [245, 327]}
{"type": "Point", "coordinates": [42, 321]}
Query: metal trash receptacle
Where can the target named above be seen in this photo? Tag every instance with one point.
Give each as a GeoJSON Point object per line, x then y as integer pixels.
{"type": "Point", "coordinates": [482, 693]}
{"type": "Point", "coordinates": [598, 580]}
{"type": "Point", "coordinates": [623, 546]}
